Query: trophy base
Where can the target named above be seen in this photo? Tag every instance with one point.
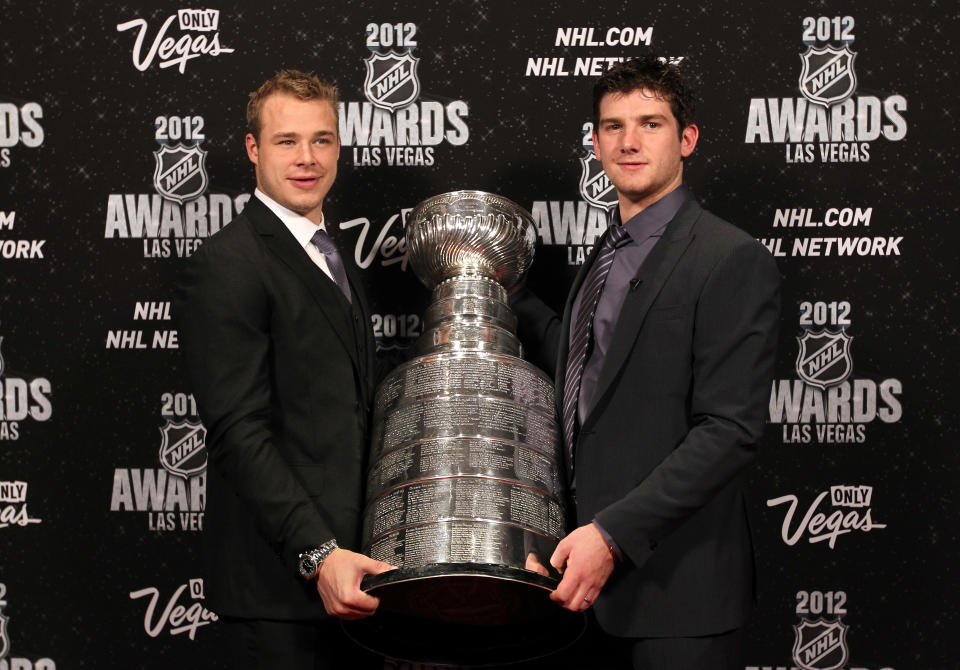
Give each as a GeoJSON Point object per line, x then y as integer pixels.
{"type": "Point", "coordinates": [465, 614]}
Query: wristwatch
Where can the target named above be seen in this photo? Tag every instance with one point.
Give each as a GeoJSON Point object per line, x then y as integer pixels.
{"type": "Point", "coordinates": [311, 559]}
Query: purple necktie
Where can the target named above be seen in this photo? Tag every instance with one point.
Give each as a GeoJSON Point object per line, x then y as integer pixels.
{"type": "Point", "coordinates": [326, 246]}
{"type": "Point", "coordinates": [583, 330]}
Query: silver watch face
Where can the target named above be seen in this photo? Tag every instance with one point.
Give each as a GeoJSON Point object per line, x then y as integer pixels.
{"type": "Point", "coordinates": [308, 565]}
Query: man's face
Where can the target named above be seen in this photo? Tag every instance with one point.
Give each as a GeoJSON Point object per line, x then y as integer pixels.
{"type": "Point", "coordinates": [639, 144]}
{"type": "Point", "coordinates": [296, 155]}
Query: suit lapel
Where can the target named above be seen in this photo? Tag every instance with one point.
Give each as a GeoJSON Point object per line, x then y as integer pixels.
{"type": "Point", "coordinates": [325, 292]}
{"type": "Point", "coordinates": [362, 331]}
{"type": "Point", "coordinates": [650, 278]}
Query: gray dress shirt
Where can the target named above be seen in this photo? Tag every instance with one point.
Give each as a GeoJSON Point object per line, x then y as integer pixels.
{"type": "Point", "coordinates": [643, 232]}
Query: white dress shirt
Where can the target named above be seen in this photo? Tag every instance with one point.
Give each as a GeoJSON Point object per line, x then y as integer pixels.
{"type": "Point", "coordinates": [300, 227]}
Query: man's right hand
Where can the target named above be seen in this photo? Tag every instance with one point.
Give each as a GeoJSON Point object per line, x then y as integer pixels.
{"type": "Point", "coordinates": [338, 583]}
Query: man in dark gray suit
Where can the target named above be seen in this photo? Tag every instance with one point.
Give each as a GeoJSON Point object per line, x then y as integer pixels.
{"type": "Point", "coordinates": [663, 361]}
{"type": "Point", "coordinates": [277, 342]}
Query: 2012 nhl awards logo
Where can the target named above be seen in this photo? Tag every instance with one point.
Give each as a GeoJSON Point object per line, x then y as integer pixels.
{"type": "Point", "coordinates": [391, 81]}
{"type": "Point", "coordinates": [827, 77]}
{"type": "Point", "coordinates": [824, 358]}
{"type": "Point", "coordinates": [182, 449]}
{"type": "Point", "coordinates": [180, 173]}
{"type": "Point", "coordinates": [595, 186]}
{"type": "Point", "coordinates": [820, 644]}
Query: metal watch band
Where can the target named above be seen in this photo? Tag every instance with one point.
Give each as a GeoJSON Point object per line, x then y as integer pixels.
{"type": "Point", "coordinates": [312, 559]}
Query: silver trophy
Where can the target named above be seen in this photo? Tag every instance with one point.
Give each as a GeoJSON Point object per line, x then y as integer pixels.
{"type": "Point", "coordinates": [465, 491]}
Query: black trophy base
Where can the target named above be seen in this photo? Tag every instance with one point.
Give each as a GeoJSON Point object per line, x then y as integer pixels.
{"type": "Point", "coordinates": [465, 614]}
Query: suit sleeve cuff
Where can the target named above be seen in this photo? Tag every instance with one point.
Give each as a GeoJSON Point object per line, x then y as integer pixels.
{"type": "Point", "coordinates": [615, 551]}
{"type": "Point", "coordinates": [634, 548]}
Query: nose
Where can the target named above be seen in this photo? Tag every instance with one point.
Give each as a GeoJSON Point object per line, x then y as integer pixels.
{"type": "Point", "coordinates": [305, 154]}
{"type": "Point", "coordinates": [630, 141]}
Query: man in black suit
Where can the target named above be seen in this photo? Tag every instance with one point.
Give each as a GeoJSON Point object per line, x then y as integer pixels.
{"type": "Point", "coordinates": [664, 359]}
{"type": "Point", "coordinates": [276, 336]}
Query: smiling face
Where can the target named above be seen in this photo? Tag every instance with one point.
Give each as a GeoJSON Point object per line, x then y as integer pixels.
{"type": "Point", "coordinates": [641, 147]}
{"type": "Point", "coordinates": [296, 152]}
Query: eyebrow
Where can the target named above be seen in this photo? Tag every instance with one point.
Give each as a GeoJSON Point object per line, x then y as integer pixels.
{"type": "Point", "coordinates": [642, 119]}
{"type": "Point", "coordinates": [291, 135]}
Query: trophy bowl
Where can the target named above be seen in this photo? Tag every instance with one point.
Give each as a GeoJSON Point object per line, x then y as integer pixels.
{"type": "Point", "coordinates": [470, 232]}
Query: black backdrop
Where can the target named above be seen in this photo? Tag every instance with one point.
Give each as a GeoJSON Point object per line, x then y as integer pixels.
{"type": "Point", "coordinates": [848, 180]}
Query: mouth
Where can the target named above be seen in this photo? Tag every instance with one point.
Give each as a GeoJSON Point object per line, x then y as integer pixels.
{"type": "Point", "coordinates": [631, 165]}
{"type": "Point", "coordinates": [305, 181]}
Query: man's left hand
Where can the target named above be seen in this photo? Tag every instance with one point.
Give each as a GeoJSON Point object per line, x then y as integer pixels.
{"type": "Point", "coordinates": [338, 583]}
{"type": "Point", "coordinates": [585, 561]}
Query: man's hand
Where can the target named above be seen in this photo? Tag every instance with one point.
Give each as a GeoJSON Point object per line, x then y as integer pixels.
{"type": "Point", "coordinates": [584, 560]}
{"type": "Point", "coordinates": [534, 565]}
{"type": "Point", "coordinates": [338, 583]}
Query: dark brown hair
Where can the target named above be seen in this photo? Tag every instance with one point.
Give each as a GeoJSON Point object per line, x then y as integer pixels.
{"type": "Point", "coordinates": [652, 73]}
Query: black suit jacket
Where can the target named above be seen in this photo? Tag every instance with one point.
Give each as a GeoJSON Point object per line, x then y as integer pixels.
{"type": "Point", "coordinates": [281, 366]}
{"type": "Point", "coordinates": [678, 408]}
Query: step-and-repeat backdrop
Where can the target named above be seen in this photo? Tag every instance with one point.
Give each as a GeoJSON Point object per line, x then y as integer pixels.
{"type": "Point", "coordinates": [828, 134]}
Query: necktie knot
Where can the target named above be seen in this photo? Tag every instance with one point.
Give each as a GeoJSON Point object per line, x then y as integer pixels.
{"type": "Point", "coordinates": [617, 233]}
{"type": "Point", "coordinates": [322, 241]}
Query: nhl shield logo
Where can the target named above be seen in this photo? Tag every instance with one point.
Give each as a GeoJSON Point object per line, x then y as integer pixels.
{"type": "Point", "coordinates": [4, 638]}
{"type": "Point", "coordinates": [181, 172]}
{"type": "Point", "coordinates": [827, 76]}
{"type": "Point", "coordinates": [182, 449]}
{"type": "Point", "coordinates": [595, 186]}
{"type": "Point", "coordinates": [820, 645]}
{"type": "Point", "coordinates": [824, 357]}
{"type": "Point", "coordinates": [391, 81]}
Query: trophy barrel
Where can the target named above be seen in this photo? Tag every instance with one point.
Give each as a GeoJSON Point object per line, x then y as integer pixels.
{"type": "Point", "coordinates": [465, 493]}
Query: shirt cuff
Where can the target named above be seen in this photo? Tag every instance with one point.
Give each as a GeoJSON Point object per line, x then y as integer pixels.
{"type": "Point", "coordinates": [614, 548]}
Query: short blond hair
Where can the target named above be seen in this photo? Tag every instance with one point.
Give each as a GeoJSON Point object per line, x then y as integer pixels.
{"type": "Point", "coordinates": [301, 85]}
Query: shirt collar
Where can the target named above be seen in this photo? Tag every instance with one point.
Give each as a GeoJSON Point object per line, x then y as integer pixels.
{"type": "Point", "coordinates": [299, 226]}
{"type": "Point", "coordinates": [653, 219]}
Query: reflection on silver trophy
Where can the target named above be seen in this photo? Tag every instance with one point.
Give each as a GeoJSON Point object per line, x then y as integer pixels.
{"type": "Point", "coordinates": [465, 492]}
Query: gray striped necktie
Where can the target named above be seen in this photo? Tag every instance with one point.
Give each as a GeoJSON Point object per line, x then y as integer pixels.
{"type": "Point", "coordinates": [329, 250]}
{"type": "Point", "coordinates": [582, 331]}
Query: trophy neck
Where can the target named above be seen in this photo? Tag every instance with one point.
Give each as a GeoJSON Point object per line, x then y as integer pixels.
{"type": "Point", "coordinates": [469, 312]}
{"type": "Point", "coordinates": [471, 271]}
{"type": "Point", "coordinates": [466, 284]}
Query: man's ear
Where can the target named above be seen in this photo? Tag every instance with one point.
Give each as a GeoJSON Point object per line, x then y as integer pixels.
{"type": "Point", "coordinates": [253, 151]}
{"type": "Point", "coordinates": [688, 139]}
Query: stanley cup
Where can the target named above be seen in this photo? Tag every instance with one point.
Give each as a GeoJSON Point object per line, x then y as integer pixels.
{"type": "Point", "coordinates": [464, 492]}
